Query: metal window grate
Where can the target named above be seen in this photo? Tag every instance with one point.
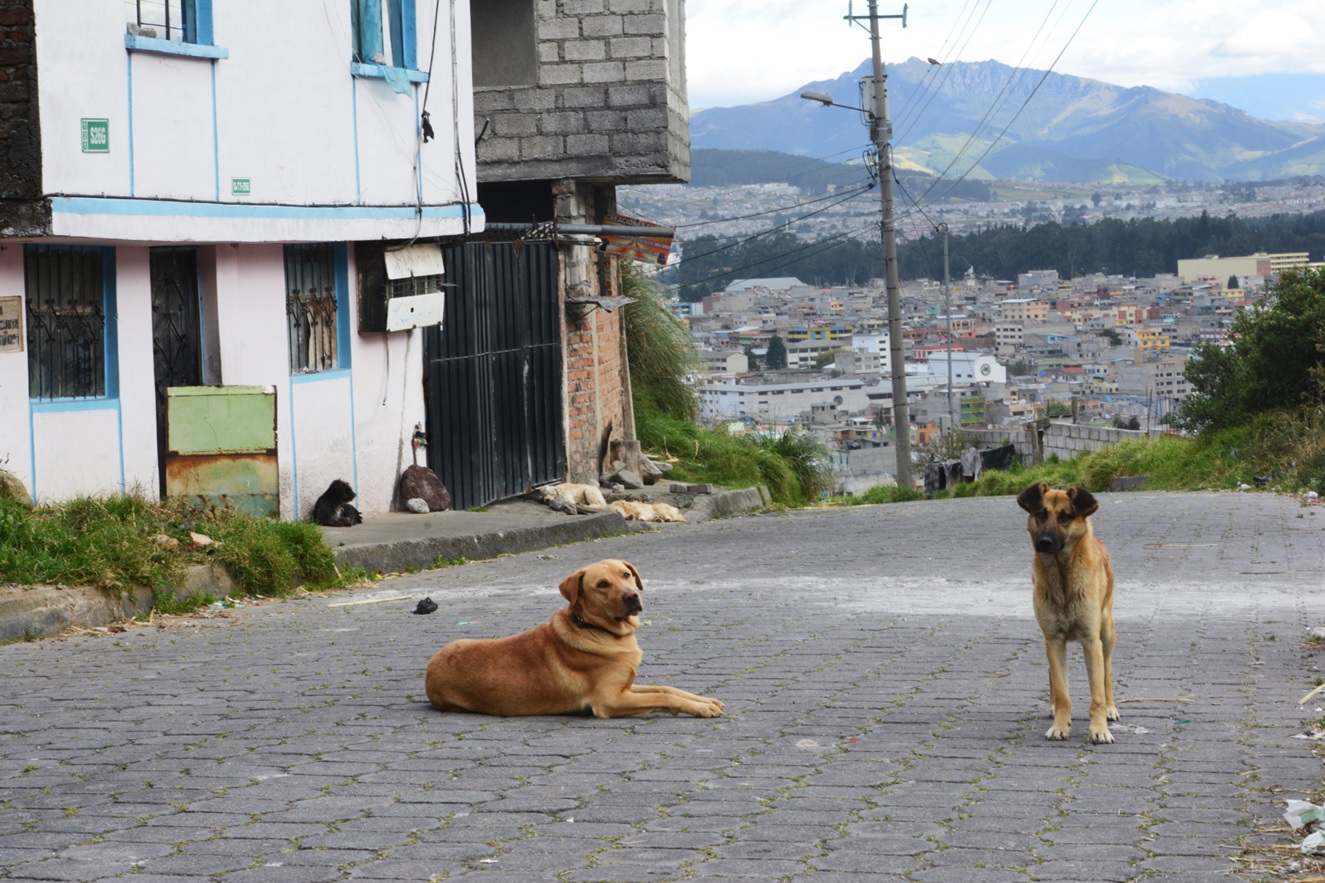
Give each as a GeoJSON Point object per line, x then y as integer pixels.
{"type": "Point", "coordinates": [66, 323]}
{"type": "Point", "coordinates": [415, 285]}
{"type": "Point", "coordinates": [166, 19]}
{"type": "Point", "coordinates": [310, 307]}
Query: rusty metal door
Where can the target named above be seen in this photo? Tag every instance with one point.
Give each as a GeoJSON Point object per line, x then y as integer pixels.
{"type": "Point", "coordinates": [495, 423]}
{"type": "Point", "coordinates": [176, 333]}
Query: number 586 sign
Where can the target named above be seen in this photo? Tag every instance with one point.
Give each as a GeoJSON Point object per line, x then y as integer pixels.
{"type": "Point", "coordinates": [96, 135]}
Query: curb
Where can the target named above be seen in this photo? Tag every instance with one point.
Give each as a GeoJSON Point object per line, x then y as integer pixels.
{"type": "Point", "coordinates": [27, 614]}
{"type": "Point", "coordinates": [30, 613]}
{"type": "Point", "coordinates": [420, 554]}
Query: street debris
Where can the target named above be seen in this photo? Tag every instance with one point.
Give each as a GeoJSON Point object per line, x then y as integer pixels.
{"type": "Point", "coordinates": [370, 601]}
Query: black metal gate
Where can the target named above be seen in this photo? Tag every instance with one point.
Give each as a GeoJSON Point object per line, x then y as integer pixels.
{"type": "Point", "coordinates": [176, 335]}
{"type": "Point", "coordinates": [494, 400]}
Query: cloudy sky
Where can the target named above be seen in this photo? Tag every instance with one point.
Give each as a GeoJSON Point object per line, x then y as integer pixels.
{"type": "Point", "coordinates": [743, 51]}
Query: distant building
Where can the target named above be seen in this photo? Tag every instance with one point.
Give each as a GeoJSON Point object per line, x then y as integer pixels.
{"type": "Point", "coordinates": [1220, 268]}
{"type": "Point", "coordinates": [725, 361]}
{"type": "Point", "coordinates": [967, 368]}
{"type": "Point", "coordinates": [775, 283]}
{"type": "Point", "coordinates": [1024, 309]}
{"type": "Point", "coordinates": [1045, 279]}
{"type": "Point", "coordinates": [779, 402]}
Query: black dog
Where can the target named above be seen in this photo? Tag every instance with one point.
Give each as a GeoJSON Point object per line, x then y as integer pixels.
{"type": "Point", "coordinates": [333, 508]}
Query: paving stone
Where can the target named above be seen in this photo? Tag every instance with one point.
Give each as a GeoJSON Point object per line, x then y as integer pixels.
{"type": "Point", "coordinates": [885, 684]}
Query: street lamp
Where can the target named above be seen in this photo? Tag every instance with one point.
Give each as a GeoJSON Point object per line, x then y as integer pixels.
{"type": "Point", "coordinates": [947, 309]}
{"type": "Point", "coordinates": [880, 132]}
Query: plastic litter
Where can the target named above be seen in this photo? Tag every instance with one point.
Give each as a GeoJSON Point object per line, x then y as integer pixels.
{"type": "Point", "coordinates": [1300, 813]}
{"type": "Point", "coordinates": [1313, 843]}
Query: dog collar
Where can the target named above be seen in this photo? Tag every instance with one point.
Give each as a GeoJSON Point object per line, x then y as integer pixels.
{"type": "Point", "coordinates": [584, 624]}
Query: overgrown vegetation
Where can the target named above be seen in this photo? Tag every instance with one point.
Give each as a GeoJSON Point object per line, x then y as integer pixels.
{"type": "Point", "coordinates": [793, 466]}
{"type": "Point", "coordinates": [121, 542]}
{"type": "Point", "coordinates": [1274, 361]}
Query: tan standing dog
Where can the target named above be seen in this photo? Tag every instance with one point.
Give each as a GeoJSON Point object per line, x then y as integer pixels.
{"type": "Point", "coordinates": [1073, 601]}
{"type": "Point", "coordinates": [583, 660]}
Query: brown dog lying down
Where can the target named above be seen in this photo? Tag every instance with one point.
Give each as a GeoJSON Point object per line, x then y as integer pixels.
{"type": "Point", "coordinates": [584, 660]}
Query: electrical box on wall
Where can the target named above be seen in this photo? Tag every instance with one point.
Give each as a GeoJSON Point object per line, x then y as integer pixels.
{"type": "Point", "coordinates": [400, 287]}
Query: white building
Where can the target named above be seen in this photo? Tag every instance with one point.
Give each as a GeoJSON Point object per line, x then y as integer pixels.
{"type": "Point", "coordinates": [779, 402]}
{"type": "Point", "coordinates": [189, 205]}
{"type": "Point", "coordinates": [967, 368]}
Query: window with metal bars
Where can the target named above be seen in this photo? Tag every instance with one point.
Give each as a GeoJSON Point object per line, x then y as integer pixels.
{"type": "Point", "coordinates": [311, 307]}
{"type": "Point", "coordinates": [182, 21]}
{"type": "Point", "coordinates": [68, 304]}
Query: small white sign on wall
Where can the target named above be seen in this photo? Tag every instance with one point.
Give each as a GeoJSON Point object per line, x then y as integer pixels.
{"type": "Point", "coordinates": [11, 324]}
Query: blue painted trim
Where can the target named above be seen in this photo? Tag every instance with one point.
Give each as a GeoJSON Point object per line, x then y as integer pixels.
{"type": "Point", "coordinates": [318, 376]}
{"type": "Point", "coordinates": [216, 141]}
{"type": "Point", "coordinates": [202, 22]}
{"type": "Point", "coordinates": [32, 452]}
{"type": "Point", "coordinates": [404, 15]}
{"type": "Point", "coordinates": [294, 460]}
{"type": "Point", "coordinates": [343, 355]}
{"type": "Point", "coordinates": [354, 440]}
{"type": "Point", "coordinates": [56, 406]}
{"type": "Point", "coordinates": [129, 207]}
{"type": "Point", "coordinates": [177, 48]}
{"type": "Point", "coordinates": [110, 303]}
{"type": "Point", "coordinates": [119, 432]}
{"type": "Point", "coordinates": [129, 56]}
{"type": "Point", "coordinates": [418, 147]}
{"type": "Point", "coordinates": [371, 72]}
{"type": "Point", "coordinates": [354, 119]}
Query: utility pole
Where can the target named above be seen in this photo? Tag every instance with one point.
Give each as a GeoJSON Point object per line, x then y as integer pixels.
{"type": "Point", "coordinates": [881, 134]}
{"type": "Point", "coordinates": [947, 309]}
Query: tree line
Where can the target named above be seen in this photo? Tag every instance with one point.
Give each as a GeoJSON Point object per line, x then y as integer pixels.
{"type": "Point", "coordinates": [1140, 247]}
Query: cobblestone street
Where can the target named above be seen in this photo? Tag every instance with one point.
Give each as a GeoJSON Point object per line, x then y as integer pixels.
{"type": "Point", "coordinates": [886, 694]}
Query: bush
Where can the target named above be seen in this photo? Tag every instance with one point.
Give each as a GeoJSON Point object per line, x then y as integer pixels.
{"type": "Point", "coordinates": [1274, 361]}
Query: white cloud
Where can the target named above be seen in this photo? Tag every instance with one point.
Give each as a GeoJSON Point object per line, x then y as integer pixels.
{"type": "Point", "coordinates": [742, 51]}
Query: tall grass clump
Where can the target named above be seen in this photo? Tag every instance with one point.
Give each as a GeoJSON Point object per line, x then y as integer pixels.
{"type": "Point", "coordinates": [105, 542]}
{"type": "Point", "coordinates": [659, 348]}
{"type": "Point", "coordinates": [268, 557]}
{"type": "Point", "coordinates": [113, 543]}
{"type": "Point", "coordinates": [662, 358]}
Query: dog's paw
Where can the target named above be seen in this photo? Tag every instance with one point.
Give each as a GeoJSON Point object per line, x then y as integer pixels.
{"type": "Point", "coordinates": [711, 707]}
{"type": "Point", "coordinates": [1101, 736]}
{"type": "Point", "coordinates": [1057, 733]}
{"type": "Point", "coordinates": [1112, 713]}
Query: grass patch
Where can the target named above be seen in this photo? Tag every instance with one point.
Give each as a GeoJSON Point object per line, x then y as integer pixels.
{"type": "Point", "coordinates": [112, 543]}
{"type": "Point", "coordinates": [793, 466]}
{"type": "Point", "coordinates": [1285, 452]}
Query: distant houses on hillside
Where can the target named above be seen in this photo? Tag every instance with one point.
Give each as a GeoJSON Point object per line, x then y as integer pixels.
{"type": "Point", "coordinates": [1097, 350]}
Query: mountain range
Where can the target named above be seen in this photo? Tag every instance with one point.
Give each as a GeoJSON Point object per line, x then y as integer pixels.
{"type": "Point", "coordinates": [991, 121]}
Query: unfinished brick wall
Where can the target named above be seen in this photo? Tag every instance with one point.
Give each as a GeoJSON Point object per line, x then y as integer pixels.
{"type": "Point", "coordinates": [595, 392]}
{"type": "Point", "coordinates": [20, 137]}
{"type": "Point", "coordinates": [596, 388]}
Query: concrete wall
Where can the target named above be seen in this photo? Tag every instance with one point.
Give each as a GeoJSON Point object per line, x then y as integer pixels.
{"type": "Point", "coordinates": [351, 423]}
{"type": "Point", "coordinates": [329, 152]}
{"type": "Point", "coordinates": [609, 102]}
{"type": "Point", "coordinates": [1064, 440]}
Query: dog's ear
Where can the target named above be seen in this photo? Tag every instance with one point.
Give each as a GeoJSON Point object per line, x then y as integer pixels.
{"type": "Point", "coordinates": [1032, 499]}
{"type": "Point", "coordinates": [1083, 504]}
{"type": "Point", "coordinates": [570, 586]}
{"type": "Point", "coordinates": [639, 583]}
